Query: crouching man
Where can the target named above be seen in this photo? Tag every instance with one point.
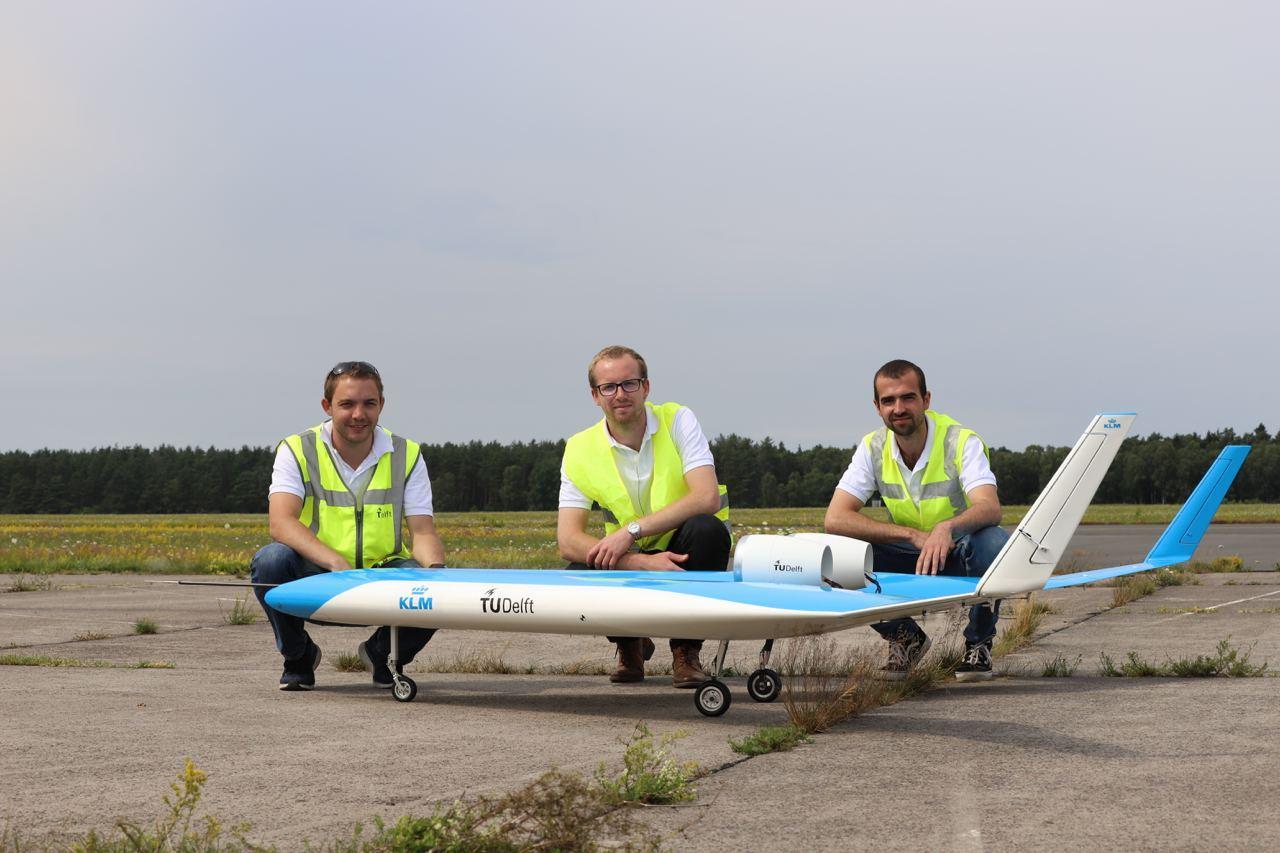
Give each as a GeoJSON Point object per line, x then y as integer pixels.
{"type": "Point", "coordinates": [936, 481]}
{"type": "Point", "coordinates": [339, 492]}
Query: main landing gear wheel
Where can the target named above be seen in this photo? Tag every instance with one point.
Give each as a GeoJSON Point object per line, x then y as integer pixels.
{"type": "Point", "coordinates": [764, 685]}
{"type": "Point", "coordinates": [712, 698]}
{"type": "Point", "coordinates": [404, 689]}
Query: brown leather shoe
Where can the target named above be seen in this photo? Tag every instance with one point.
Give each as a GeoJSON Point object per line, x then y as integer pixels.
{"type": "Point", "coordinates": [632, 653]}
{"type": "Point", "coordinates": [686, 669]}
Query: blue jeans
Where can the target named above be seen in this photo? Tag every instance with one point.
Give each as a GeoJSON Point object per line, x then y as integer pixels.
{"type": "Point", "coordinates": [970, 558]}
{"type": "Point", "coordinates": [277, 563]}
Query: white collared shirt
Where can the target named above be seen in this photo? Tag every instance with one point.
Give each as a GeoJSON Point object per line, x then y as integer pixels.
{"type": "Point", "coordinates": [859, 478]}
{"type": "Point", "coordinates": [636, 466]}
{"type": "Point", "coordinates": [286, 477]}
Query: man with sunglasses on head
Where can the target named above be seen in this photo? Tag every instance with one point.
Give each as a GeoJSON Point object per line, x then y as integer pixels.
{"type": "Point", "coordinates": [935, 479]}
{"type": "Point", "coordinates": [339, 492]}
{"type": "Point", "coordinates": [648, 467]}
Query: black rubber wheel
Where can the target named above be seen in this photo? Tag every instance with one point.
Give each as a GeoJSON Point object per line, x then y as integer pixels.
{"type": "Point", "coordinates": [712, 698]}
{"type": "Point", "coordinates": [764, 685]}
{"type": "Point", "coordinates": [404, 689]}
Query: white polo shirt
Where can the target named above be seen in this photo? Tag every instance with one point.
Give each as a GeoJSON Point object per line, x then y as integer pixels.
{"type": "Point", "coordinates": [636, 466]}
{"type": "Point", "coordinates": [286, 477]}
{"type": "Point", "coordinates": [859, 478]}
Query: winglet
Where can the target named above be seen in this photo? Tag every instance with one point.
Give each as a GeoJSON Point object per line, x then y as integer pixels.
{"type": "Point", "coordinates": [1183, 534]}
{"type": "Point", "coordinates": [1029, 557]}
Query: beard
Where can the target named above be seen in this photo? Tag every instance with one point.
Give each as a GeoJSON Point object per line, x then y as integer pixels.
{"type": "Point", "coordinates": [906, 429]}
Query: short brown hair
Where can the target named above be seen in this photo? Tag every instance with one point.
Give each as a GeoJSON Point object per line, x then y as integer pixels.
{"type": "Point", "coordinates": [612, 352]}
{"type": "Point", "coordinates": [354, 370]}
{"type": "Point", "coordinates": [897, 369]}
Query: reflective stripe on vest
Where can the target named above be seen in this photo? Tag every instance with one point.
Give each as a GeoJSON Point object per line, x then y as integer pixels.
{"type": "Point", "coordinates": [940, 494]}
{"type": "Point", "coordinates": [590, 465]}
{"type": "Point", "coordinates": [365, 529]}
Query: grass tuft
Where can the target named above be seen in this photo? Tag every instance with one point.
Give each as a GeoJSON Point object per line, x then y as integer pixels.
{"type": "Point", "coordinates": [143, 625]}
{"type": "Point", "coordinates": [823, 685]}
{"type": "Point", "coordinates": [1060, 667]}
{"type": "Point", "coordinates": [348, 662]}
{"type": "Point", "coordinates": [1132, 588]}
{"type": "Point", "coordinates": [649, 774]}
{"type": "Point", "coordinates": [1225, 662]}
{"type": "Point", "coordinates": [1026, 621]}
{"type": "Point", "coordinates": [45, 660]}
{"type": "Point", "coordinates": [85, 636]}
{"type": "Point", "coordinates": [1219, 565]}
{"type": "Point", "coordinates": [34, 583]}
{"type": "Point", "coordinates": [768, 739]}
{"type": "Point", "coordinates": [241, 612]}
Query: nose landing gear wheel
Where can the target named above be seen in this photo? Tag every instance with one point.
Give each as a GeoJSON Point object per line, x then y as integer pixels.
{"type": "Point", "coordinates": [404, 689]}
{"type": "Point", "coordinates": [764, 685]}
{"type": "Point", "coordinates": [712, 698]}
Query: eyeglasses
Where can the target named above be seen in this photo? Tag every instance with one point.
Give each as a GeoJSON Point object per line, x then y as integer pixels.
{"type": "Point", "coordinates": [608, 389]}
{"type": "Point", "coordinates": [354, 367]}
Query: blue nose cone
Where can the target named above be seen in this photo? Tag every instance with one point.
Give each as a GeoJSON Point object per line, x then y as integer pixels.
{"type": "Point", "coordinates": [305, 596]}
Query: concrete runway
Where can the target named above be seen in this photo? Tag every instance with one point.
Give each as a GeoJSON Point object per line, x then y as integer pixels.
{"type": "Point", "coordinates": [1019, 762]}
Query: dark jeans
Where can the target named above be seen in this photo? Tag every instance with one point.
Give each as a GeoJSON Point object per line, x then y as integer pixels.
{"type": "Point", "coordinates": [704, 538]}
{"type": "Point", "coordinates": [277, 563]}
{"type": "Point", "coordinates": [970, 558]}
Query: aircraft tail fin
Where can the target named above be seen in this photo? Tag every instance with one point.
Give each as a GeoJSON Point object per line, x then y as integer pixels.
{"type": "Point", "coordinates": [1033, 551]}
{"type": "Point", "coordinates": [1183, 534]}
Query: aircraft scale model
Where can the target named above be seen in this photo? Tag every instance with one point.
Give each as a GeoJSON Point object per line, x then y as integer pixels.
{"type": "Point", "coordinates": [780, 586]}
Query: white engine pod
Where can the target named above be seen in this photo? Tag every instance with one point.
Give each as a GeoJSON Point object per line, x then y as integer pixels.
{"type": "Point", "coordinates": [763, 558]}
{"type": "Point", "coordinates": [851, 559]}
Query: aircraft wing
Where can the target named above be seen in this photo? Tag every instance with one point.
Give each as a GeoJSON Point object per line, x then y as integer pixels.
{"type": "Point", "coordinates": [710, 605]}
{"type": "Point", "coordinates": [1179, 541]}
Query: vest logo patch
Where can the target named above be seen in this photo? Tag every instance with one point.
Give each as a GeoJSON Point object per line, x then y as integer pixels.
{"type": "Point", "coordinates": [383, 512]}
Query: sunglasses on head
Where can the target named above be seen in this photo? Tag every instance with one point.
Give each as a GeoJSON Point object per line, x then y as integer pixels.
{"type": "Point", "coordinates": [354, 366]}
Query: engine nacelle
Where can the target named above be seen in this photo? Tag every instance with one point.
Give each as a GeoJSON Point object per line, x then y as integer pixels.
{"type": "Point", "coordinates": [851, 559]}
{"type": "Point", "coordinates": [806, 559]}
{"type": "Point", "coordinates": [766, 558]}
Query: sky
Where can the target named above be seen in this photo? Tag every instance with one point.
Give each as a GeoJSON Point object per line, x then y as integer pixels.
{"type": "Point", "coordinates": [1055, 208]}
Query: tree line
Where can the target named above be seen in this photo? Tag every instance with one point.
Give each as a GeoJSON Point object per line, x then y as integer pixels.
{"type": "Point", "coordinates": [526, 475]}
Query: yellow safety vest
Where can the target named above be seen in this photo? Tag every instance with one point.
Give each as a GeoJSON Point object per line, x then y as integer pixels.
{"type": "Point", "coordinates": [367, 531]}
{"type": "Point", "coordinates": [589, 464]}
{"type": "Point", "coordinates": [940, 496]}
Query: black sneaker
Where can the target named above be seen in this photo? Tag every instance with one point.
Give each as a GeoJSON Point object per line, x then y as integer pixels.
{"type": "Point", "coordinates": [977, 663]}
{"type": "Point", "coordinates": [300, 673]}
{"type": "Point", "coordinates": [903, 655]}
{"type": "Point", "coordinates": [376, 664]}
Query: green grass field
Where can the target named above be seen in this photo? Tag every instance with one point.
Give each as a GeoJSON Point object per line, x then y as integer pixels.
{"type": "Point", "coordinates": [223, 544]}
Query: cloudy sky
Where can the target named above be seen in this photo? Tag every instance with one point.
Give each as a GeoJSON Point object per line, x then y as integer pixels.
{"type": "Point", "coordinates": [1056, 208]}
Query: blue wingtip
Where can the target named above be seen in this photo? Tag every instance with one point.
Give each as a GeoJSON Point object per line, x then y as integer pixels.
{"type": "Point", "coordinates": [1180, 538]}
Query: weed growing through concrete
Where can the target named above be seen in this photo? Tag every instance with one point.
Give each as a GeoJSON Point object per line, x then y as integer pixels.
{"type": "Point", "coordinates": [768, 739]}
{"type": "Point", "coordinates": [823, 685]}
{"type": "Point", "coordinates": [558, 811]}
{"type": "Point", "coordinates": [1219, 565]}
{"type": "Point", "coordinates": [1026, 620]}
{"type": "Point", "coordinates": [33, 583]}
{"type": "Point", "coordinates": [1226, 662]}
{"type": "Point", "coordinates": [1060, 667]}
{"type": "Point", "coordinates": [45, 660]}
{"type": "Point", "coordinates": [348, 662]}
{"type": "Point", "coordinates": [85, 636]}
{"type": "Point", "coordinates": [649, 774]}
{"type": "Point", "coordinates": [143, 625]}
{"type": "Point", "coordinates": [1182, 611]}
{"type": "Point", "coordinates": [241, 612]}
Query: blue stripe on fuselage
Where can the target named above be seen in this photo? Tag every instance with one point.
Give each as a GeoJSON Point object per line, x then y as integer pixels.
{"type": "Point", "coordinates": [304, 597]}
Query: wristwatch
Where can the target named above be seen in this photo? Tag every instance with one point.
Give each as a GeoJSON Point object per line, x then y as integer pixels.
{"type": "Point", "coordinates": [634, 529]}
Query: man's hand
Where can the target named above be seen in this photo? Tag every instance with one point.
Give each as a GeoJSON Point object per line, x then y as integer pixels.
{"type": "Point", "coordinates": [934, 550]}
{"type": "Point", "coordinates": [606, 553]}
{"type": "Point", "coordinates": [663, 561]}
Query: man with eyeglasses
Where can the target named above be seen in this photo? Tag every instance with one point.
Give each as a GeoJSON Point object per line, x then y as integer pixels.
{"type": "Point", "coordinates": [339, 492]}
{"type": "Point", "coordinates": [935, 479]}
{"type": "Point", "coordinates": [649, 468]}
